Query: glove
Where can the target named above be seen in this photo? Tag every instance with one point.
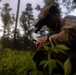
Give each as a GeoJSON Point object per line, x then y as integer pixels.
{"type": "Point", "coordinates": [41, 41]}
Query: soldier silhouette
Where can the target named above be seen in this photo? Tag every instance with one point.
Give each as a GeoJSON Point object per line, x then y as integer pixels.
{"type": "Point", "coordinates": [64, 30]}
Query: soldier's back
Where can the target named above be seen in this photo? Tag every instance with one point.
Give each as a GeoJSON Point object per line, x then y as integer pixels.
{"type": "Point", "coordinates": [70, 26]}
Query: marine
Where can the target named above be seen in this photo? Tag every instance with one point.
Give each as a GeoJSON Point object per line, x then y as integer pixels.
{"type": "Point", "coordinates": [64, 30]}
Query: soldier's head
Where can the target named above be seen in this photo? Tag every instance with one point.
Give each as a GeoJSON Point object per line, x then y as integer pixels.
{"type": "Point", "coordinates": [49, 14]}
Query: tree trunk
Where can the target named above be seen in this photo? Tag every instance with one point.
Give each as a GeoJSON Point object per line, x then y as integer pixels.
{"type": "Point", "coordinates": [16, 24]}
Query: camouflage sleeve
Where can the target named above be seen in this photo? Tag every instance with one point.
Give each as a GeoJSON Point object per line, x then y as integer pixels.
{"type": "Point", "coordinates": [67, 34]}
{"type": "Point", "coordinates": [62, 37]}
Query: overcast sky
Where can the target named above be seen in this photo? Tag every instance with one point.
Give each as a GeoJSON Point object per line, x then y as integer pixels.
{"type": "Point", "coordinates": [13, 4]}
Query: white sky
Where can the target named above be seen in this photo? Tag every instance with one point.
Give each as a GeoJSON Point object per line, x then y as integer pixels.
{"type": "Point", "coordinates": [13, 5]}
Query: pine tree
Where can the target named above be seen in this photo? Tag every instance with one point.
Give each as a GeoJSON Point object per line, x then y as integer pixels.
{"type": "Point", "coordinates": [7, 20]}
{"type": "Point", "coordinates": [26, 22]}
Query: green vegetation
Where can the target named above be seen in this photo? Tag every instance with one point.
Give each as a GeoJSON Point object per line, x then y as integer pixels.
{"type": "Point", "coordinates": [14, 62]}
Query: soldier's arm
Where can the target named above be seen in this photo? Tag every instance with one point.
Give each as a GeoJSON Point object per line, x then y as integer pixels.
{"type": "Point", "coordinates": [62, 37]}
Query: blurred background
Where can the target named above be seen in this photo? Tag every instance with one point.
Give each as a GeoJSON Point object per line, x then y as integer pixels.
{"type": "Point", "coordinates": [18, 17]}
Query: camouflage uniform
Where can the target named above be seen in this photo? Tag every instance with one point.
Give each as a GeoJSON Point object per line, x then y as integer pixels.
{"type": "Point", "coordinates": [67, 33]}
{"type": "Point", "coordinates": [67, 36]}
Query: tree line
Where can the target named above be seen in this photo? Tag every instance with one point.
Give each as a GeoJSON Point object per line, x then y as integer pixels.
{"type": "Point", "coordinates": [26, 22]}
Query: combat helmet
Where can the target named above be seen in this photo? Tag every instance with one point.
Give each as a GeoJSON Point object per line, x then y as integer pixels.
{"type": "Point", "coordinates": [53, 7]}
{"type": "Point", "coordinates": [45, 12]}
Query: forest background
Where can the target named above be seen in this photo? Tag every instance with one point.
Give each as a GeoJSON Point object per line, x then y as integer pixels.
{"type": "Point", "coordinates": [17, 26]}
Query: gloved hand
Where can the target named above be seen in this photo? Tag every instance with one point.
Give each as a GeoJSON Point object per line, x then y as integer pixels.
{"type": "Point", "coordinates": [41, 41]}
